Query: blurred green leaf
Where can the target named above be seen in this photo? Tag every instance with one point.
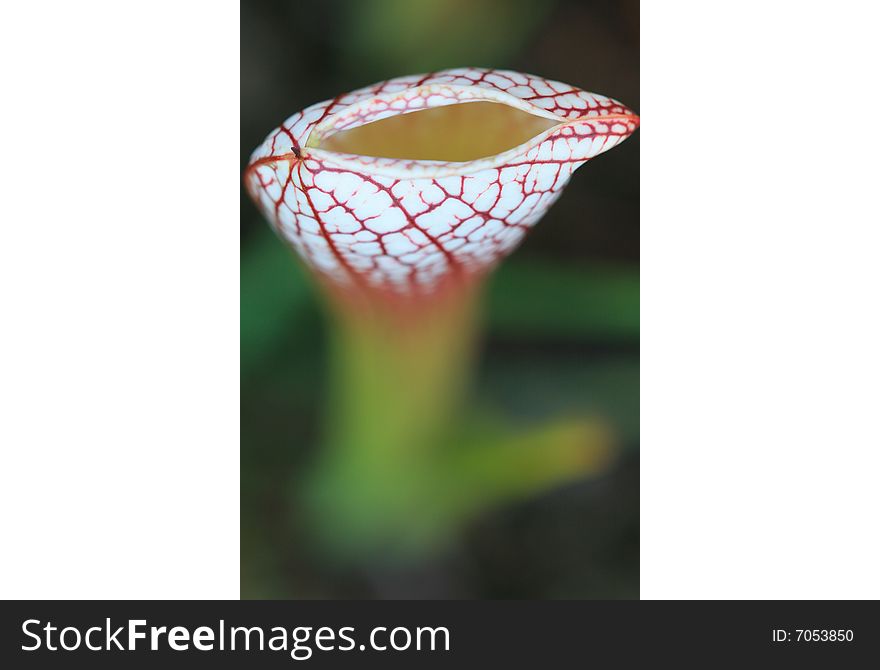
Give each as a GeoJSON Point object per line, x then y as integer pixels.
{"type": "Point", "coordinates": [530, 387]}
{"type": "Point", "coordinates": [274, 293]}
{"type": "Point", "coordinates": [540, 298]}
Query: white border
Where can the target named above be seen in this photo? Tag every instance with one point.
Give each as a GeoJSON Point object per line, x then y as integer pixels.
{"type": "Point", "coordinates": [760, 326]}
{"type": "Point", "coordinates": [119, 351]}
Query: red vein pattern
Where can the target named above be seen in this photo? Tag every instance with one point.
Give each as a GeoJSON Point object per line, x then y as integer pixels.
{"type": "Point", "coordinates": [407, 225]}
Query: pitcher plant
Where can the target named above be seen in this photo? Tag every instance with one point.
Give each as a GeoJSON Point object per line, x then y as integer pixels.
{"type": "Point", "coordinates": [401, 197]}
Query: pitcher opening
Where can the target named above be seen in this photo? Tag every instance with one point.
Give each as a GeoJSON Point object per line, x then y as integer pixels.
{"type": "Point", "coordinates": [452, 133]}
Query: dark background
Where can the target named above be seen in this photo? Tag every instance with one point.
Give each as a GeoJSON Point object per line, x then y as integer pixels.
{"type": "Point", "coordinates": [561, 317]}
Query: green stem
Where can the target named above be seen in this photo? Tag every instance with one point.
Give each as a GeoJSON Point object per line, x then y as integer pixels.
{"type": "Point", "coordinates": [399, 374]}
{"type": "Point", "coordinates": [399, 471]}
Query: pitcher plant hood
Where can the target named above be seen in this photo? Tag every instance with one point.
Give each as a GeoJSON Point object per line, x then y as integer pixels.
{"type": "Point", "coordinates": [419, 180]}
